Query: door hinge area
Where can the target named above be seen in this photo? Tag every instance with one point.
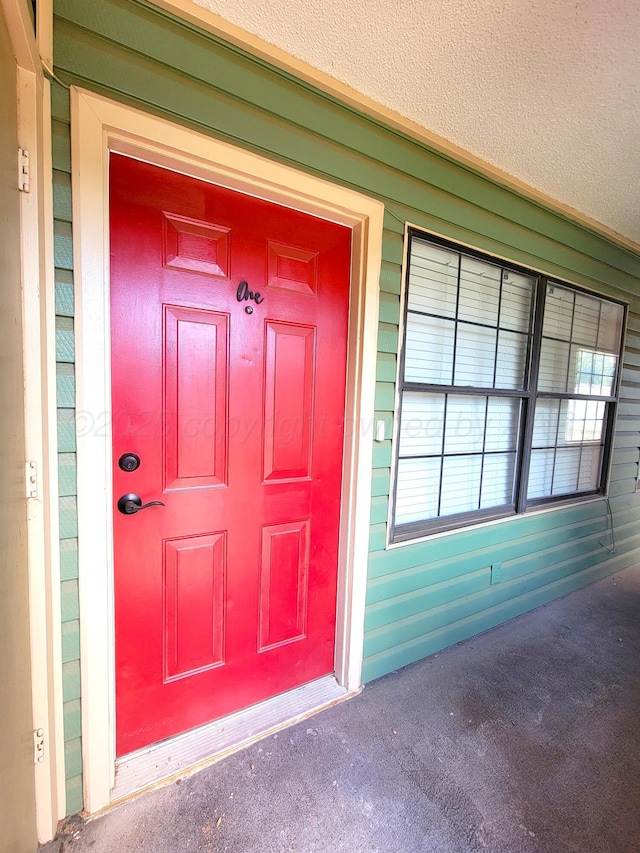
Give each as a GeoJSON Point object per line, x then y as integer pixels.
{"type": "Point", "coordinates": [38, 746]}
{"type": "Point", "coordinates": [32, 479]}
{"type": "Point", "coordinates": [24, 170]}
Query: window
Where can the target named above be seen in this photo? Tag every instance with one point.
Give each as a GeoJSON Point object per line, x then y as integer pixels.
{"type": "Point", "coordinates": [507, 392]}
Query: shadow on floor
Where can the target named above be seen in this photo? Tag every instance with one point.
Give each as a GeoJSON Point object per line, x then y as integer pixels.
{"type": "Point", "coordinates": [526, 738]}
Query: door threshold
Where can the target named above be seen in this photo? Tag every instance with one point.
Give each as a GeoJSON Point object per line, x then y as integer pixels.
{"type": "Point", "coordinates": [188, 752]}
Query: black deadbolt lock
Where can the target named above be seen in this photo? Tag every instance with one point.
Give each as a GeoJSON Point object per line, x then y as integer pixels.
{"type": "Point", "coordinates": [129, 462]}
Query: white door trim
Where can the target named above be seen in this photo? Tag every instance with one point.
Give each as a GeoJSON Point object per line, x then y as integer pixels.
{"type": "Point", "coordinates": [99, 126]}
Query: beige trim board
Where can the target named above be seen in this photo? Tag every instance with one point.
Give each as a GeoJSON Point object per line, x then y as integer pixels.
{"type": "Point", "coordinates": [21, 33]}
{"type": "Point", "coordinates": [38, 320]}
{"type": "Point", "coordinates": [44, 31]}
{"type": "Point", "coordinates": [99, 126]}
{"type": "Point", "coordinates": [218, 26]}
{"type": "Point", "coordinates": [41, 447]}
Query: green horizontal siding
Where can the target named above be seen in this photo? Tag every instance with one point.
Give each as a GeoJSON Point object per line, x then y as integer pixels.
{"type": "Point", "coordinates": [427, 643]}
{"type": "Point", "coordinates": [389, 308]}
{"type": "Point", "coordinates": [69, 600]}
{"type": "Point", "coordinates": [409, 604]}
{"type": "Point", "coordinates": [385, 396]}
{"type": "Point", "coordinates": [489, 543]}
{"type": "Point", "coordinates": [379, 509]}
{"type": "Point", "coordinates": [68, 559]}
{"type": "Point", "coordinates": [65, 348]}
{"type": "Point", "coordinates": [68, 510]}
{"type": "Point", "coordinates": [63, 252]}
{"type": "Point", "coordinates": [387, 338]}
{"type": "Point", "coordinates": [71, 680]}
{"type": "Point", "coordinates": [65, 385]}
{"type": "Point", "coordinates": [62, 196]}
{"type": "Point", "coordinates": [73, 756]}
{"type": "Point", "coordinates": [64, 293]}
{"type": "Point", "coordinates": [421, 596]}
{"type": "Point", "coordinates": [72, 720]}
{"type": "Point", "coordinates": [382, 454]}
{"type": "Point", "coordinates": [625, 456]}
{"type": "Point", "coordinates": [67, 474]}
{"type": "Point", "coordinates": [70, 640]}
{"type": "Point", "coordinates": [66, 430]}
{"type": "Point", "coordinates": [74, 795]}
{"type": "Point", "coordinates": [61, 149]}
{"type": "Point", "coordinates": [517, 555]}
{"type": "Point", "coordinates": [386, 367]}
{"type": "Point", "coordinates": [390, 278]}
{"type": "Point", "coordinates": [380, 482]}
{"type": "Point", "coordinates": [66, 421]}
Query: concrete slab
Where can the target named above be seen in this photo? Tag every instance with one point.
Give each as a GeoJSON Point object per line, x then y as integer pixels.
{"type": "Point", "coordinates": [523, 739]}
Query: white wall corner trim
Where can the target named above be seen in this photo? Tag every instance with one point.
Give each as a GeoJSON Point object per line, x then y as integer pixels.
{"type": "Point", "coordinates": [99, 126]}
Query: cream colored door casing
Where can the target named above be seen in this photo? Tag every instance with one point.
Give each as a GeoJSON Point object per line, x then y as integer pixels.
{"type": "Point", "coordinates": [98, 127]}
{"type": "Point", "coordinates": [32, 798]}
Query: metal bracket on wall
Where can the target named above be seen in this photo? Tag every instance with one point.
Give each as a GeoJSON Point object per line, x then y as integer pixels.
{"type": "Point", "coordinates": [38, 746]}
{"type": "Point", "coordinates": [31, 479]}
{"type": "Point", "coordinates": [24, 170]}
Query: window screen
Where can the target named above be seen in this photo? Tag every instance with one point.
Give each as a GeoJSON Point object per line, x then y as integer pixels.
{"type": "Point", "coordinates": [507, 390]}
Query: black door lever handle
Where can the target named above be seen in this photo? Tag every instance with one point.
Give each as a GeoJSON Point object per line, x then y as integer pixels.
{"type": "Point", "coordinates": [130, 504]}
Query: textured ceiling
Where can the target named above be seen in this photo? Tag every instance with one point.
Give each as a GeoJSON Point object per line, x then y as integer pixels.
{"type": "Point", "coordinates": [546, 90]}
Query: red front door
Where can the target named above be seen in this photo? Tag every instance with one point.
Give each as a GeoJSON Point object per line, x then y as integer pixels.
{"type": "Point", "coordinates": [229, 326]}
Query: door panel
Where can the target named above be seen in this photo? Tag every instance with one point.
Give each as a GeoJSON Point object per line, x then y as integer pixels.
{"type": "Point", "coordinates": [229, 326]}
{"type": "Point", "coordinates": [289, 383]}
{"type": "Point", "coordinates": [194, 628]}
{"type": "Point", "coordinates": [195, 404]}
{"type": "Point", "coordinates": [284, 583]}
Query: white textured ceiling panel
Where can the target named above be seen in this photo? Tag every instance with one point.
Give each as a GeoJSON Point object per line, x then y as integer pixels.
{"type": "Point", "coordinates": [546, 90]}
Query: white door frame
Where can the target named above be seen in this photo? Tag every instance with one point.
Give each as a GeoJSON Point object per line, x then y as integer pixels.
{"type": "Point", "coordinates": [99, 126]}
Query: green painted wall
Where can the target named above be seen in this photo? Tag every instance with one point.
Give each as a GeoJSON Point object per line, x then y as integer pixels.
{"type": "Point", "coordinates": [423, 596]}
{"type": "Point", "coordinates": [65, 354]}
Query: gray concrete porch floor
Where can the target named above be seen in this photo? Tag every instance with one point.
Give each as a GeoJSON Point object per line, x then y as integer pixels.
{"type": "Point", "coordinates": [525, 738]}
